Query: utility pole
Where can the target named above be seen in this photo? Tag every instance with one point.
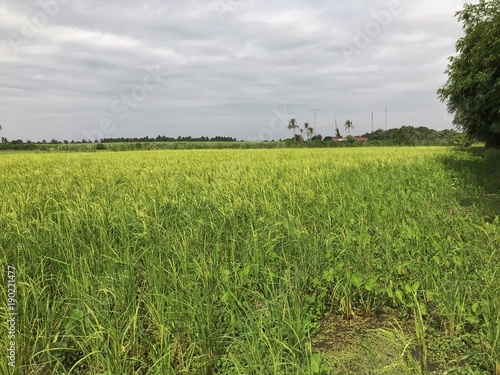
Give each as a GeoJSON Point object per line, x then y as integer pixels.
{"type": "Point", "coordinates": [315, 110]}
{"type": "Point", "coordinates": [372, 122]}
{"type": "Point", "coordinates": [385, 118]}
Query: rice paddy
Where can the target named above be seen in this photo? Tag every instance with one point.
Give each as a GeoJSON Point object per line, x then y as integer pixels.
{"type": "Point", "coordinates": [228, 261]}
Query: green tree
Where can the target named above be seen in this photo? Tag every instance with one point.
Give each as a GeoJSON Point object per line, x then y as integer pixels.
{"type": "Point", "coordinates": [3, 140]}
{"type": "Point", "coordinates": [292, 125]}
{"type": "Point", "coordinates": [472, 91]}
{"type": "Point", "coordinates": [317, 137]}
{"type": "Point", "coordinates": [348, 126]}
{"type": "Point", "coordinates": [337, 133]}
{"type": "Point", "coordinates": [406, 135]}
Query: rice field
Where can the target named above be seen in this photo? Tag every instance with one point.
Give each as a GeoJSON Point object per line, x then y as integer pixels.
{"type": "Point", "coordinates": [225, 261]}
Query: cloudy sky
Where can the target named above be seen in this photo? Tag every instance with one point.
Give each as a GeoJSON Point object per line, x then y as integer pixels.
{"type": "Point", "coordinates": [73, 69]}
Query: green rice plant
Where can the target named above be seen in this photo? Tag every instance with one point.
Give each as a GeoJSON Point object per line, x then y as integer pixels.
{"type": "Point", "coordinates": [224, 261]}
{"type": "Point", "coordinates": [490, 307]}
{"type": "Point", "coordinates": [406, 363]}
{"type": "Point", "coordinates": [451, 300]}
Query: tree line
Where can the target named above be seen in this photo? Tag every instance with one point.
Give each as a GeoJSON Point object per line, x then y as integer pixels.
{"type": "Point", "coordinates": [405, 136]}
{"type": "Point", "coordinates": [409, 135]}
{"type": "Point", "coordinates": [159, 138]}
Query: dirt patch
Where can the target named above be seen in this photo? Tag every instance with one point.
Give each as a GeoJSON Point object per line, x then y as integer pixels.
{"type": "Point", "coordinates": [387, 344]}
{"type": "Point", "coordinates": [382, 344]}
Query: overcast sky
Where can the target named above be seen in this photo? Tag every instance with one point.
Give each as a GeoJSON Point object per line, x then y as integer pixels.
{"type": "Point", "coordinates": [73, 69]}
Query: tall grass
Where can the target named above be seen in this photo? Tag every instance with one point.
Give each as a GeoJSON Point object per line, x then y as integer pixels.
{"type": "Point", "coordinates": [220, 261]}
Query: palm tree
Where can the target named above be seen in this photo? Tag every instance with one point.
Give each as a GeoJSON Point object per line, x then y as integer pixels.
{"type": "Point", "coordinates": [306, 129]}
{"type": "Point", "coordinates": [348, 126]}
{"type": "Point", "coordinates": [292, 124]}
{"type": "Point", "coordinates": [310, 132]}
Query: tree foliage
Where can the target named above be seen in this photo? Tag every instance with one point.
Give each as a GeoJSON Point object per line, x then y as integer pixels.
{"type": "Point", "coordinates": [422, 135]}
{"type": "Point", "coordinates": [337, 132]}
{"type": "Point", "coordinates": [348, 126]}
{"type": "Point", "coordinates": [472, 91]}
{"type": "Point", "coordinates": [292, 124]}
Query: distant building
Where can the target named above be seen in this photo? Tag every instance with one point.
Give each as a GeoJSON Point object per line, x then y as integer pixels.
{"type": "Point", "coordinates": [360, 139]}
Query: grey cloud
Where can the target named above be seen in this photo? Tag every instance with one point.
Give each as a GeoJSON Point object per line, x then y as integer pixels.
{"type": "Point", "coordinates": [221, 76]}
